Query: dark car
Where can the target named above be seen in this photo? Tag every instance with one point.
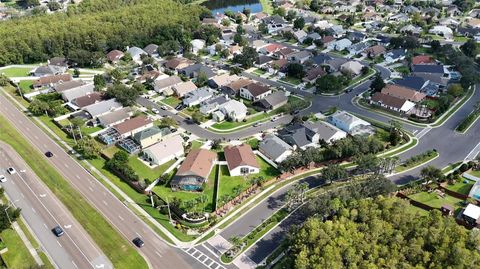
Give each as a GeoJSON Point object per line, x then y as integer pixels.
{"type": "Point", "coordinates": [138, 242]}
{"type": "Point", "coordinates": [49, 154]}
{"type": "Point", "coordinates": [57, 231]}
{"type": "Point", "coordinates": [295, 112]}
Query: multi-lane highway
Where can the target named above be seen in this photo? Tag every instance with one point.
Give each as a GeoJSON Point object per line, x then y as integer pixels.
{"type": "Point", "coordinates": [157, 253]}
{"type": "Point", "coordinates": [42, 211]}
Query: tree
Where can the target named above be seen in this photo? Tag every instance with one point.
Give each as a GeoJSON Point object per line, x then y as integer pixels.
{"type": "Point", "coordinates": [280, 12]}
{"type": "Point", "coordinates": [198, 117]}
{"type": "Point", "coordinates": [367, 163]}
{"type": "Point", "coordinates": [291, 15]}
{"type": "Point", "coordinates": [378, 83]}
{"type": "Point", "coordinates": [88, 148]}
{"type": "Point", "coordinates": [202, 79]}
{"type": "Point", "coordinates": [169, 47]}
{"type": "Point", "coordinates": [431, 173]}
{"type": "Point", "coordinates": [127, 96]}
{"type": "Point", "coordinates": [464, 5]}
{"type": "Point", "coordinates": [76, 72]}
{"type": "Point", "coordinates": [53, 5]}
{"type": "Point", "coordinates": [299, 23]}
{"type": "Point", "coordinates": [469, 48]}
{"type": "Point", "coordinates": [247, 58]}
{"type": "Point", "coordinates": [4, 80]}
{"type": "Point", "coordinates": [6, 221]}
{"type": "Point", "coordinates": [216, 144]}
{"type": "Point", "coordinates": [38, 107]}
{"type": "Point", "coordinates": [168, 122]}
{"type": "Point", "coordinates": [99, 82]}
{"type": "Point", "coordinates": [247, 12]}
{"type": "Point", "coordinates": [455, 90]}
{"type": "Point", "coordinates": [224, 53]}
{"type": "Point", "coordinates": [295, 70]}
{"type": "Point", "coordinates": [329, 83]}
{"type": "Point", "coordinates": [263, 28]}
{"type": "Point", "coordinates": [334, 173]}
{"type": "Point", "coordinates": [395, 132]}
{"type": "Point", "coordinates": [29, 3]}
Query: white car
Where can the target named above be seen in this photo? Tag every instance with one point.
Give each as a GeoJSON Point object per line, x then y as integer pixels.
{"type": "Point", "coordinates": [11, 170]}
{"type": "Point", "coordinates": [164, 107]}
{"type": "Point", "coordinates": [3, 178]}
{"type": "Point", "coordinates": [154, 110]}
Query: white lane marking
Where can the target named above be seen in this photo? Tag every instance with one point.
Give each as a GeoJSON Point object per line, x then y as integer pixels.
{"type": "Point", "coordinates": [46, 227]}
{"type": "Point", "coordinates": [74, 264]}
{"type": "Point", "coordinates": [158, 253]}
{"type": "Point", "coordinates": [36, 137]}
{"type": "Point", "coordinates": [473, 153]}
{"type": "Point", "coordinates": [43, 195]}
{"type": "Point", "coordinates": [90, 188]}
{"type": "Point", "coordinates": [77, 176]}
{"type": "Point", "coordinates": [59, 244]}
{"type": "Point", "coordinates": [423, 132]}
{"type": "Point", "coordinates": [120, 217]}
{"type": "Point", "coordinates": [67, 226]}
{"type": "Point", "coordinates": [65, 165]}
{"type": "Point", "coordinates": [21, 194]}
{"type": "Point", "coordinates": [105, 203]}
{"type": "Point", "coordinates": [34, 211]}
{"type": "Point", "coordinates": [28, 129]}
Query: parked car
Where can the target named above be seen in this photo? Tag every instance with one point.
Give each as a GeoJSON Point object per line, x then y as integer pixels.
{"type": "Point", "coordinates": [138, 242]}
{"type": "Point", "coordinates": [58, 231]}
{"type": "Point", "coordinates": [11, 170]}
{"type": "Point", "coordinates": [49, 154]}
{"type": "Point", "coordinates": [3, 178]}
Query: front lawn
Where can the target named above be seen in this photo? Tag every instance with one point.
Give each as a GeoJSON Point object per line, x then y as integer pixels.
{"type": "Point", "coordinates": [171, 101]}
{"type": "Point", "coordinates": [16, 71]}
{"type": "Point", "coordinates": [462, 186]}
{"type": "Point", "coordinates": [434, 200]}
{"type": "Point", "coordinates": [259, 71]}
{"type": "Point", "coordinates": [291, 80]}
{"type": "Point", "coordinates": [226, 125]}
{"type": "Point", "coordinates": [17, 255]}
{"type": "Point", "coordinates": [26, 86]}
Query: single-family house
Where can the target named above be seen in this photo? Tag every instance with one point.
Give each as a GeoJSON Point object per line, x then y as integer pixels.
{"type": "Point", "coordinates": [181, 89]}
{"type": "Point", "coordinates": [192, 71]}
{"type": "Point", "coordinates": [67, 85]}
{"type": "Point", "coordinates": [275, 148]}
{"type": "Point", "coordinates": [165, 85]}
{"type": "Point", "coordinates": [101, 108]}
{"type": "Point", "coordinates": [219, 81]}
{"type": "Point", "coordinates": [300, 35]}
{"type": "Point", "coordinates": [321, 59]}
{"type": "Point", "coordinates": [422, 59]}
{"type": "Point", "coordinates": [197, 96]}
{"type": "Point", "coordinates": [312, 74]}
{"type": "Point", "coordinates": [49, 70]}
{"type": "Point", "coordinates": [233, 88]}
{"type": "Point", "coordinates": [272, 101]}
{"type": "Point", "coordinates": [255, 91]}
{"type": "Point", "coordinates": [391, 102]}
{"type": "Point", "coordinates": [352, 68]}
{"type": "Point", "coordinates": [356, 36]}
{"type": "Point", "coordinates": [194, 170]}
{"type": "Point", "coordinates": [298, 136]}
{"type": "Point", "coordinates": [136, 53]}
{"type": "Point", "coordinates": [299, 57]}
{"type": "Point", "coordinates": [132, 126]}
{"type": "Point", "coordinates": [336, 31]}
{"type": "Point", "coordinates": [262, 60]}
{"type": "Point", "coordinates": [471, 215]}
{"type": "Point", "coordinates": [274, 23]}
{"type": "Point", "coordinates": [399, 18]}
{"type": "Point", "coordinates": [375, 51]}
{"type": "Point", "coordinates": [241, 160]}
{"type": "Point", "coordinates": [437, 74]}
{"type": "Point", "coordinates": [58, 61]}
{"type": "Point", "coordinates": [178, 63]}
{"type": "Point", "coordinates": [411, 29]}
{"type": "Point", "coordinates": [233, 109]}
{"type": "Point", "coordinates": [283, 53]}
{"type": "Point", "coordinates": [51, 80]}
{"type": "Point", "coordinates": [114, 117]}
{"type": "Point", "coordinates": [395, 55]}
{"type": "Point", "coordinates": [325, 131]}
{"type": "Point", "coordinates": [403, 93]}
{"type": "Point", "coordinates": [164, 151]}
{"type": "Point", "coordinates": [76, 92]}
{"type": "Point", "coordinates": [340, 45]}
{"type": "Point", "coordinates": [197, 45]}
{"type": "Point", "coordinates": [442, 30]}
{"type": "Point", "coordinates": [150, 136]}
{"type": "Point", "coordinates": [212, 104]}
{"type": "Point", "coordinates": [358, 48]}
{"type": "Point", "coordinates": [348, 122]}
{"type": "Point", "coordinates": [90, 98]}
{"type": "Point", "coordinates": [151, 49]}
{"type": "Point", "coordinates": [270, 49]}
{"type": "Point", "coordinates": [114, 56]}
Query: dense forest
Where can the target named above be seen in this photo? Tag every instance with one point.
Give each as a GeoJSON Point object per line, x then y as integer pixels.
{"type": "Point", "coordinates": [382, 233]}
{"type": "Point", "coordinates": [87, 31]}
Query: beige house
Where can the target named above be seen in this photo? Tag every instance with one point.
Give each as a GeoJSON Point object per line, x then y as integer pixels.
{"type": "Point", "coordinates": [164, 151]}
{"type": "Point", "coordinates": [183, 88]}
{"type": "Point", "coordinates": [150, 136]}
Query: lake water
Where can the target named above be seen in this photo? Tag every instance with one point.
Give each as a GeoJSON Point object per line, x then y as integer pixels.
{"type": "Point", "coordinates": [219, 6]}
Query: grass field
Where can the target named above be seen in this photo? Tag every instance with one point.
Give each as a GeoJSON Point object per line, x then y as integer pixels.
{"type": "Point", "coordinates": [475, 173]}
{"type": "Point", "coordinates": [17, 255]}
{"type": "Point", "coordinates": [291, 80]}
{"type": "Point", "coordinates": [16, 71]}
{"type": "Point", "coordinates": [433, 200]}
{"type": "Point", "coordinates": [462, 187]}
{"type": "Point", "coordinates": [422, 160]}
{"type": "Point", "coordinates": [226, 125]}
{"type": "Point", "coordinates": [26, 86]}
{"type": "Point", "coordinates": [171, 101]}
{"type": "Point", "coordinates": [117, 249]}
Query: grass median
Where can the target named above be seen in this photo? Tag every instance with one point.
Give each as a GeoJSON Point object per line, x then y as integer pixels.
{"type": "Point", "coordinates": [117, 249]}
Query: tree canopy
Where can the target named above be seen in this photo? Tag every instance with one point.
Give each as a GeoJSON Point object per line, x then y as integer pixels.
{"type": "Point", "coordinates": [383, 233]}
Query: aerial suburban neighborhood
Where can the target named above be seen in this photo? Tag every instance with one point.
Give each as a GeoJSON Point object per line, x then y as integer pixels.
{"type": "Point", "coordinates": [239, 134]}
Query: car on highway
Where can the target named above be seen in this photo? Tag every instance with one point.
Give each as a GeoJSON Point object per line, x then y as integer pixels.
{"type": "Point", "coordinates": [256, 124]}
{"type": "Point", "coordinates": [58, 231]}
{"type": "Point", "coordinates": [164, 107]}
{"type": "Point", "coordinates": [138, 242]}
{"type": "Point", "coordinates": [49, 154]}
{"type": "Point", "coordinates": [3, 178]}
{"type": "Point", "coordinates": [11, 170]}
{"type": "Point", "coordinates": [154, 110]}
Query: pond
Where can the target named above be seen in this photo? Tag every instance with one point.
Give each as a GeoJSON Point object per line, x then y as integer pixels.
{"type": "Point", "coordinates": [219, 6]}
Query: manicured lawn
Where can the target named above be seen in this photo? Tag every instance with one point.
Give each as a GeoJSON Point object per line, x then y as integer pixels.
{"type": "Point", "coordinates": [17, 255]}
{"type": "Point", "coordinates": [423, 159]}
{"type": "Point", "coordinates": [475, 173]}
{"type": "Point", "coordinates": [361, 77]}
{"type": "Point", "coordinates": [226, 125]}
{"type": "Point", "coordinates": [460, 39]}
{"type": "Point", "coordinates": [291, 80]}
{"type": "Point", "coordinates": [228, 184]}
{"type": "Point", "coordinates": [215, 57]}
{"type": "Point", "coordinates": [16, 71]}
{"type": "Point", "coordinates": [26, 86]}
{"type": "Point", "coordinates": [117, 249]}
{"type": "Point", "coordinates": [146, 172]}
{"type": "Point", "coordinates": [402, 70]}
{"type": "Point", "coordinates": [191, 110]}
{"type": "Point", "coordinates": [196, 144]}
{"type": "Point", "coordinates": [433, 200]}
{"type": "Point", "coordinates": [90, 130]}
{"type": "Point", "coordinates": [462, 187]}
{"type": "Point", "coordinates": [259, 71]}
{"type": "Point", "coordinates": [171, 101]}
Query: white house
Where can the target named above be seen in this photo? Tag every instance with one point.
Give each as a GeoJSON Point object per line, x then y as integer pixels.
{"type": "Point", "coordinates": [275, 148]}
{"type": "Point", "coordinates": [164, 151]}
{"type": "Point", "coordinates": [241, 160]}
{"type": "Point", "coordinates": [442, 30]}
{"type": "Point", "coordinates": [340, 45]}
{"type": "Point", "coordinates": [346, 121]}
{"type": "Point", "coordinates": [197, 45]}
{"type": "Point", "coordinates": [233, 110]}
{"type": "Point", "coordinates": [254, 91]}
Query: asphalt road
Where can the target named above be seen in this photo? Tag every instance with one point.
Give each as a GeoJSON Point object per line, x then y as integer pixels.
{"type": "Point", "coordinates": [43, 211]}
{"type": "Point", "coordinates": [157, 253]}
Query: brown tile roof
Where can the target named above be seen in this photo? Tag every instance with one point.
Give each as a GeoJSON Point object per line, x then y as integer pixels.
{"type": "Point", "coordinates": [422, 59]}
{"type": "Point", "coordinates": [114, 55]}
{"type": "Point", "coordinates": [285, 51]}
{"type": "Point", "coordinates": [403, 93]}
{"type": "Point", "coordinates": [52, 79]}
{"type": "Point", "coordinates": [175, 62]}
{"type": "Point", "coordinates": [67, 85]}
{"type": "Point", "coordinates": [273, 47]}
{"type": "Point", "coordinates": [239, 156]}
{"type": "Point", "coordinates": [88, 99]}
{"type": "Point", "coordinates": [257, 89]}
{"type": "Point", "coordinates": [236, 85]}
{"type": "Point", "coordinates": [328, 39]}
{"type": "Point", "coordinates": [198, 162]}
{"type": "Point", "coordinates": [388, 100]}
{"type": "Point", "coordinates": [132, 124]}
{"type": "Point", "coordinates": [279, 63]}
{"type": "Point", "coordinates": [376, 50]}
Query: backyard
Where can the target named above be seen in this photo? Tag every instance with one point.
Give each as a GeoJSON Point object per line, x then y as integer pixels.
{"type": "Point", "coordinates": [16, 71]}
{"type": "Point", "coordinates": [462, 186]}
{"type": "Point", "coordinates": [434, 200]}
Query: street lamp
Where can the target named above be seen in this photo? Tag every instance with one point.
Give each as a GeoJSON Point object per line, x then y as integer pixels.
{"type": "Point", "coordinates": [10, 205]}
